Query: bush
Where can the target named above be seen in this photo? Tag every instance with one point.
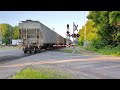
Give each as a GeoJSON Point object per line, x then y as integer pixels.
{"type": "Point", "coordinates": [107, 50]}
{"type": "Point", "coordinates": [80, 43]}
{"type": "Point", "coordinates": [108, 47]}
{"type": "Point", "coordinates": [41, 73]}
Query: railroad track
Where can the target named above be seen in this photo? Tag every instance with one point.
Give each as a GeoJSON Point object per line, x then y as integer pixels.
{"type": "Point", "coordinates": [8, 58]}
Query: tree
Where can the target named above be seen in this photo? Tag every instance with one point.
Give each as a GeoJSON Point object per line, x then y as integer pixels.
{"type": "Point", "coordinates": [16, 33]}
{"type": "Point", "coordinates": [6, 33]}
{"type": "Point", "coordinates": [114, 18]}
{"type": "Point", "coordinates": [107, 23]}
{"type": "Point", "coordinates": [91, 32]}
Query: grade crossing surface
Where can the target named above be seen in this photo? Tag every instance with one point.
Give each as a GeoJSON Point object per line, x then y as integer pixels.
{"type": "Point", "coordinates": [80, 66]}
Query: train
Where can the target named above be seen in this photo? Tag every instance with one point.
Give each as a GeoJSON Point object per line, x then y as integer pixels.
{"type": "Point", "coordinates": [36, 36]}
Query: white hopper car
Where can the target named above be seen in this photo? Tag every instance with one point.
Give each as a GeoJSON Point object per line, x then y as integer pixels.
{"type": "Point", "coordinates": [36, 36]}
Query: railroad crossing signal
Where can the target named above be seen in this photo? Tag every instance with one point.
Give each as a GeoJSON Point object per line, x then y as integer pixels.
{"type": "Point", "coordinates": [75, 35]}
{"type": "Point", "coordinates": [67, 35]}
{"type": "Point", "coordinates": [76, 41]}
{"type": "Point", "coordinates": [78, 35]}
{"type": "Point", "coordinates": [67, 26]}
{"type": "Point", "coordinates": [67, 32]}
{"type": "Point", "coordinates": [75, 27]}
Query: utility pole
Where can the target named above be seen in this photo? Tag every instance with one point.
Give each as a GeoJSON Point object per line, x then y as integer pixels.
{"type": "Point", "coordinates": [84, 31]}
{"type": "Point", "coordinates": [1, 36]}
{"type": "Point", "coordinates": [73, 32]}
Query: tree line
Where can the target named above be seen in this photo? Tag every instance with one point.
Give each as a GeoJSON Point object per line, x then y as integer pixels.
{"type": "Point", "coordinates": [102, 29]}
{"type": "Point", "coordinates": [9, 32]}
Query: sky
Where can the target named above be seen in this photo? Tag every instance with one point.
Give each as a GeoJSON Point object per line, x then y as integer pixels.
{"type": "Point", "coordinates": [53, 19]}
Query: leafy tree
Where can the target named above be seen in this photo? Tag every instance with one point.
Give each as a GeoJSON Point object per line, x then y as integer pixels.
{"type": "Point", "coordinates": [6, 33]}
{"type": "Point", "coordinates": [16, 33]}
{"type": "Point", "coordinates": [107, 23]}
{"type": "Point", "coordinates": [91, 32]}
{"type": "Point", "coordinates": [114, 17]}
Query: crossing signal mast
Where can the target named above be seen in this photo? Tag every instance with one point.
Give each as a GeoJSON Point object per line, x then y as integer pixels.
{"type": "Point", "coordinates": [67, 35]}
{"type": "Point", "coordinates": [74, 35]}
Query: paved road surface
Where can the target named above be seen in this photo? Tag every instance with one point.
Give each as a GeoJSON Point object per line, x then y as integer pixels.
{"type": "Point", "coordinates": [80, 66]}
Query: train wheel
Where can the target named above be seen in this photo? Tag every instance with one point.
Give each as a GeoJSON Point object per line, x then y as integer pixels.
{"type": "Point", "coordinates": [25, 52]}
{"type": "Point", "coordinates": [39, 50]}
{"type": "Point", "coordinates": [46, 48]}
{"type": "Point", "coordinates": [35, 50]}
{"type": "Point", "coordinates": [30, 51]}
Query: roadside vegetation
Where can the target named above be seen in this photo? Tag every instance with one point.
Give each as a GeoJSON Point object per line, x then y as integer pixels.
{"type": "Point", "coordinates": [8, 33]}
{"type": "Point", "coordinates": [102, 32]}
{"type": "Point", "coordinates": [70, 50]}
{"type": "Point", "coordinates": [40, 73]}
{"type": "Point", "coordinates": [66, 50]}
{"type": "Point", "coordinates": [106, 50]}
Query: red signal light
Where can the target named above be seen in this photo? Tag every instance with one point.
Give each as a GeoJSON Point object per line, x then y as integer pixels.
{"type": "Point", "coordinates": [67, 32]}
{"type": "Point", "coordinates": [78, 35]}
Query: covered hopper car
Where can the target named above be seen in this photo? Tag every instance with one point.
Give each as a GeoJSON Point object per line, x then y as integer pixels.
{"type": "Point", "coordinates": [36, 36]}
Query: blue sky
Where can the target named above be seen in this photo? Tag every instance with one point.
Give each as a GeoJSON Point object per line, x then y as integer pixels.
{"type": "Point", "coordinates": [52, 19]}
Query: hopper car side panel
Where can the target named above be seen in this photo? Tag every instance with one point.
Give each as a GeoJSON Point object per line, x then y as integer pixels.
{"type": "Point", "coordinates": [49, 36]}
{"type": "Point", "coordinates": [37, 36]}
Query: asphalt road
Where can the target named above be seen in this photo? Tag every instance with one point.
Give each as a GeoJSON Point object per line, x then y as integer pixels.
{"type": "Point", "coordinates": [11, 54]}
{"type": "Point", "coordinates": [80, 66]}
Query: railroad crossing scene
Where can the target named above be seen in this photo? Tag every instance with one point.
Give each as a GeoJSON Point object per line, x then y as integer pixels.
{"type": "Point", "coordinates": [60, 45]}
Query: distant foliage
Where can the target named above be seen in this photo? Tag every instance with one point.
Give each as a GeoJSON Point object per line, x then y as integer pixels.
{"type": "Point", "coordinates": [16, 33]}
{"type": "Point", "coordinates": [9, 33]}
{"type": "Point", "coordinates": [91, 33]}
{"type": "Point", "coordinates": [103, 29]}
{"type": "Point", "coordinates": [6, 33]}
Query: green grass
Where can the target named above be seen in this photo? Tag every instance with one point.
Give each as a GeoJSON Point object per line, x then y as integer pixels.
{"type": "Point", "coordinates": [41, 73]}
{"type": "Point", "coordinates": [67, 50]}
{"type": "Point", "coordinates": [106, 50]}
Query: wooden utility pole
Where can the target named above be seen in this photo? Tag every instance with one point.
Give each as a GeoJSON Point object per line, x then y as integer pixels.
{"type": "Point", "coordinates": [1, 34]}
{"type": "Point", "coordinates": [84, 31]}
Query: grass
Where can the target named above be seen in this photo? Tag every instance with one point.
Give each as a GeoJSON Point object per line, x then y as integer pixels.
{"type": "Point", "coordinates": [42, 73]}
{"type": "Point", "coordinates": [106, 50]}
{"type": "Point", "coordinates": [67, 50]}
